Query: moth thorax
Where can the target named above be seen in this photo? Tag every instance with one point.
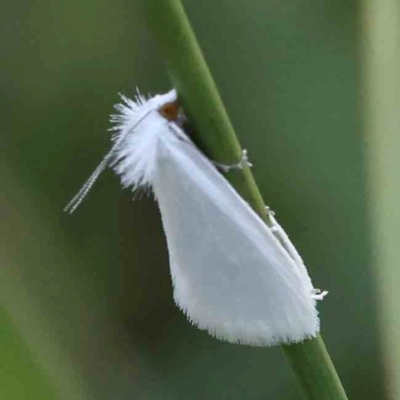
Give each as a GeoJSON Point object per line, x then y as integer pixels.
{"type": "Point", "coordinates": [170, 111]}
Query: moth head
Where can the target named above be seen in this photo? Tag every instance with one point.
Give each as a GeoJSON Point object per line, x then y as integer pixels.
{"type": "Point", "coordinates": [131, 113]}
{"type": "Point", "coordinates": [170, 108]}
{"type": "Point", "coordinates": [170, 111]}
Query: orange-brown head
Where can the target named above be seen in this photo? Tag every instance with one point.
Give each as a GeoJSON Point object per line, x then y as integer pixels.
{"type": "Point", "coordinates": [170, 111]}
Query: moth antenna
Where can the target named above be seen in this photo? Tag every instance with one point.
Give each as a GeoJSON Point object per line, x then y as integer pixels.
{"type": "Point", "coordinates": [117, 139]}
{"type": "Point", "coordinates": [84, 190]}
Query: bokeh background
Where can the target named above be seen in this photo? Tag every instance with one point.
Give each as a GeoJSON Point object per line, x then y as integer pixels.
{"type": "Point", "coordinates": [86, 300]}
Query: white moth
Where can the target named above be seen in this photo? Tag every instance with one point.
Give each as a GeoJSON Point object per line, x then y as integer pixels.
{"type": "Point", "coordinates": [231, 275]}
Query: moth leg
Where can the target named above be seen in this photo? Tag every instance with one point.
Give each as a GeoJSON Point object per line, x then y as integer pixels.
{"type": "Point", "coordinates": [275, 228]}
{"type": "Point", "coordinates": [244, 162]}
{"type": "Point", "coordinates": [317, 294]}
{"type": "Point", "coordinates": [270, 211]}
{"type": "Point", "coordinates": [283, 238]}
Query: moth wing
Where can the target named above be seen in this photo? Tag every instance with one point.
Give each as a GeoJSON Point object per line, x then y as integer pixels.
{"type": "Point", "coordinates": [231, 276]}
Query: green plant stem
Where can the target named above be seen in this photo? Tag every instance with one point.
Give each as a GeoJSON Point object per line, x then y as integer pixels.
{"type": "Point", "coordinates": [198, 93]}
{"type": "Point", "coordinates": [215, 135]}
{"type": "Point", "coordinates": [380, 88]}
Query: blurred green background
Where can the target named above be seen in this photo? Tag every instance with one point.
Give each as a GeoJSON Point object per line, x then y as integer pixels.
{"type": "Point", "coordinates": [87, 310]}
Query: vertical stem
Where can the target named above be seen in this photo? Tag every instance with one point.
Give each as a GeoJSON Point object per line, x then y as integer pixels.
{"type": "Point", "coordinates": [381, 115]}
{"type": "Point", "coordinates": [198, 93]}
{"type": "Point", "coordinates": [314, 370]}
{"type": "Point", "coordinates": [191, 77]}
